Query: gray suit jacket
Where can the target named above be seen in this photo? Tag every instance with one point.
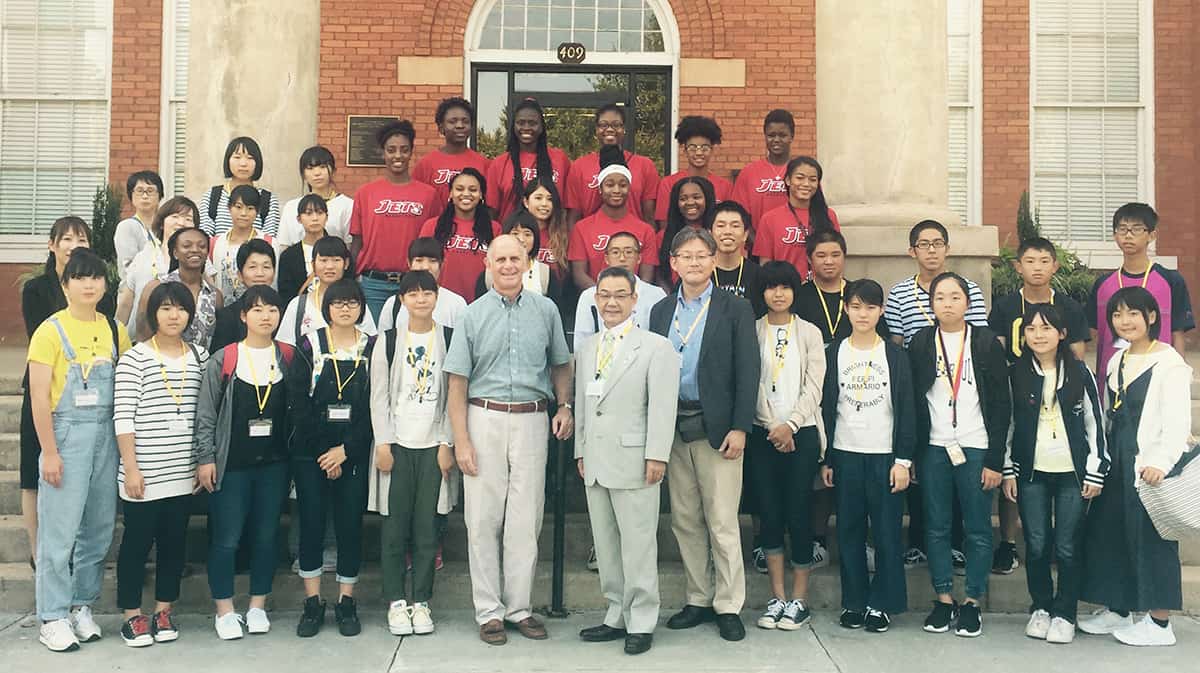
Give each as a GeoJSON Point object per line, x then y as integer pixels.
{"type": "Point", "coordinates": [633, 420]}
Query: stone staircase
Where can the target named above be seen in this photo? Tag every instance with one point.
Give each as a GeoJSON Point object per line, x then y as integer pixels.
{"type": "Point", "coordinates": [1007, 593]}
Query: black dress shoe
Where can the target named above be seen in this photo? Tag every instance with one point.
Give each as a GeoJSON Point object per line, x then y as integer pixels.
{"type": "Point", "coordinates": [601, 634]}
{"type": "Point", "coordinates": [731, 627]}
{"type": "Point", "coordinates": [636, 643]}
{"type": "Point", "coordinates": [690, 616]}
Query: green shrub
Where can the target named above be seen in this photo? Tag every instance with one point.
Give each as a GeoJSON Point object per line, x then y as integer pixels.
{"type": "Point", "coordinates": [1074, 278]}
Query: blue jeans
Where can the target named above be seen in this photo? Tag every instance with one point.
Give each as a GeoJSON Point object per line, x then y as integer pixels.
{"type": "Point", "coordinates": [1052, 513]}
{"type": "Point", "coordinates": [250, 500]}
{"type": "Point", "coordinates": [940, 481]}
{"type": "Point", "coordinates": [863, 492]}
{"type": "Point", "coordinates": [377, 292]}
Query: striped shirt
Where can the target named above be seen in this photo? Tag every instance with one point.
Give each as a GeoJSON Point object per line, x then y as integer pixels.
{"type": "Point", "coordinates": [907, 309]}
{"type": "Point", "coordinates": [224, 222]}
{"type": "Point", "coordinates": [162, 430]}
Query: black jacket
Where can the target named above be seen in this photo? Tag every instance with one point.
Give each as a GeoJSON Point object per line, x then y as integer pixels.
{"type": "Point", "coordinates": [991, 376]}
{"type": "Point", "coordinates": [312, 433]}
{"type": "Point", "coordinates": [291, 272]}
{"type": "Point", "coordinates": [1081, 417]}
{"type": "Point", "coordinates": [729, 361]}
{"type": "Point", "coordinates": [904, 426]}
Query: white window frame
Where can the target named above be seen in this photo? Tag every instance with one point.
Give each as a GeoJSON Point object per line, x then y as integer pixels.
{"type": "Point", "coordinates": [974, 107]}
{"type": "Point", "coordinates": [668, 57]}
{"type": "Point", "coordinates": [31, 248]}
{"type": "Point", "coordinates": [1104, 254]}
{"type": "Point", "coordinates": [167, 98]}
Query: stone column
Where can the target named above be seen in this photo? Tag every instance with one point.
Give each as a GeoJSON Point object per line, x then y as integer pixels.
{"type": "Point", "coordinates": [253, 70]}
{"type": "Point", "coordinates": [882, 134]}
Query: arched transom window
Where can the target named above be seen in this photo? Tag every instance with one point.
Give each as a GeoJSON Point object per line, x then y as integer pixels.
{"type": "Point", "coordinates": [599, 25]}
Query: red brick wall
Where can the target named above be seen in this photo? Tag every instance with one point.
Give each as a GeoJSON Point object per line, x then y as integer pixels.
{"type": "Point", "coordinates": [1177, 133]}
{"type": "Point", "coordinates": [360, 41]}
{"type": "Point", "coordinates": [1005, 114]}
{"type": "Point", "coordinates": [136, 88]}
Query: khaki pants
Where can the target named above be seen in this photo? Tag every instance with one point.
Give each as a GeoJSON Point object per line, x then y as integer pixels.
{"type": "Point", "coordinates": [705, 490]}
{"type": "Point", "coordinates": [624, 528]}
{"type": "Point", "coordinates": [503, 507]}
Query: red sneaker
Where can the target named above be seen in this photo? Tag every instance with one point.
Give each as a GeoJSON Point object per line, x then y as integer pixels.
{"type": "Point", "coordinates": [136, 632]}
{"type": "Point", "coordinates": [163, 627]}
{"type": "Point", "coordinates": [437, 559]}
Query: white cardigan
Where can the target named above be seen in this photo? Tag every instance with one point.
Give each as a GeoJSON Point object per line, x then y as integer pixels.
{"type": "Point", "coordinates": [807, 410]}
{"type": "Point", "coordinates": [1165, 426]}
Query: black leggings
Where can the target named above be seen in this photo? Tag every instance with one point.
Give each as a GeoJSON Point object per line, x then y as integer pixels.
{"type": "Point", "coordinates": [161, 524]}
{"type": "Point", "coordinates": [783, 485]}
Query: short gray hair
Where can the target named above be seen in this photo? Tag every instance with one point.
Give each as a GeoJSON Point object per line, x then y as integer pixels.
{"type": "Point", "coordinates": [689, 234]}
{"type": "Point", "coordinates": [619, 272]}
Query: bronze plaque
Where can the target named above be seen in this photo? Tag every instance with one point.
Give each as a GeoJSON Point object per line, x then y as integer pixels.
{"type": "Point", "coordinates": [362, 145]}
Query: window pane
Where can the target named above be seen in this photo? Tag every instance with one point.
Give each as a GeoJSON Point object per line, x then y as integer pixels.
{"type": "Point", "coordinates": [600, 25]}
{"type": "Point", "coordinates": [491, 102]}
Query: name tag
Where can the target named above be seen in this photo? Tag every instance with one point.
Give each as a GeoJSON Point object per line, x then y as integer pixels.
{"type": "Point", "coordinates": [955, 452]}
{"type": "Point", "coordinates": [260, 427]}
{"type": "Point", "coordinates": [178, 424]}
{"type": "Point", "coordinates": [87, 398]}
{"type": "Point", "coordinates": [595, 388]}
{"type": "Point", "coordinates": [338, 413]}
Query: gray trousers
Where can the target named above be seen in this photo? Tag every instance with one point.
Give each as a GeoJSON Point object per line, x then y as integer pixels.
{"type": "Point", "coordinates": [625, 531]}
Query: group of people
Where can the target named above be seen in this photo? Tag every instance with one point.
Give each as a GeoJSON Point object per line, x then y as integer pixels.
{"type": "Point", "coordinates": [384, 352]}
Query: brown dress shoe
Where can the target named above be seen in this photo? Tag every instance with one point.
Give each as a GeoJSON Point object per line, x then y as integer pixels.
{"type": "Point", "coordinates": [532, 629]}
{"type": "Point", "coordinates": [492, 633]}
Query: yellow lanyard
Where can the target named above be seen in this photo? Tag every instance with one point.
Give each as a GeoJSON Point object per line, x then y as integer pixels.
{"type": "Point", "coordinates": [422, 373]}
{"type": "Point", "coordinates": [780, 351]}
{"type": "Point", "coordinates": [341, 385]}
{"type": "Point", "coordinates": [917, 289]}
{"type": "Point", "coordinates": [738, 284]}
{"type": "Point", "coordinates": [1145, 277]}
{"type": "Point", "coordinates": [1048, 409]}
{"type": "Point", "coordinates": [684, 338]}
{"type": "Point", "coordinates": [262, 399]}
{"type": "Point", "coordinates": [1121, 385]}
{"type": "Point", "coordinates": [85, 369]}
{"type": "Point", "coordinates": [162, 368]}
{"type": "Point", "coordinates": [868, 374]}
{"type": "Point", "coordinates": [841, 304]}
{"type": "Point", "coordinates": [603, 360]}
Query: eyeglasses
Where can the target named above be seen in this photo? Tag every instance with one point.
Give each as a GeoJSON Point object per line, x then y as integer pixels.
{"type": "Point", "coordinates": [619, 296]}
{"type": "Point", "coordinates": [610, 126]}
{"type": "Point", "coordinates": [344, 304]}
{"type": "Point", "coordinates": [689, 259]}
{"type": "Point", "coordinates": [622, 252]}
{"type": "Point", "coordinates": [692, 147]}
{"type": "Point", "coordinates": [145, 191]}
{"type": "Point", "coordinates": [1125, 230]}
{"type": "Point", "coordinates": [937, 244]}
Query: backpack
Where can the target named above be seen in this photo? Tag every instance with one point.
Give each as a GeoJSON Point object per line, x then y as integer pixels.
{"type": "Point", "coordinates": [214, 204]}
{"type": "Point", "coordinates": [229, 363]}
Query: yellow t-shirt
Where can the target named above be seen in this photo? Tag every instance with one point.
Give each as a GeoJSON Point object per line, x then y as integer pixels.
{"type": "Point", "coordinates": [92, 341]}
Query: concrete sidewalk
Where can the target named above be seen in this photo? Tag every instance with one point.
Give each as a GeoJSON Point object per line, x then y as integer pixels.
{"type": "Point", "coordinates": [822, 648]}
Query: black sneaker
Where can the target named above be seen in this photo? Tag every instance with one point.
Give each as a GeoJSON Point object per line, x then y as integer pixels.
{"type": "Point", "coordinates": [959, 561]}
{"type": "Point", "coordinates": [1005, 560]}
{"type": "Point", "coordinates": [313, 617]}
{"type": "Point", "coordinates": [760, 560]}
{"type": "Point", "coordinates": [877, 621]}
{"type": "Point", "coordinates": [970, 622]}
{"type": "Point", "coordinates": [346, 615]}
{"type": "Point", "coordinates": [852, 619]}
{"type": "Point", "coordinates": [942, 616]}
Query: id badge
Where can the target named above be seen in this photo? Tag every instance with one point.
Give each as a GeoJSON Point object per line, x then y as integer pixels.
{"type": "Point", "coordinates": [338, 413]}
{"type": "Point", "coordinates": [260, 427]}
{"type": "Point", "coordinates": [955, 452]}
{"type": "Point", "coordinates": [87, 398]}
{"type": "Point", "coordinates": [178, 424]}
{"type": "Point", "coordinates": [595, 388]}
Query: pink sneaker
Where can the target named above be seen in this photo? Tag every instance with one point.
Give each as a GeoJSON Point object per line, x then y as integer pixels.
{"type": "Point", "coordinates": [438, 564]}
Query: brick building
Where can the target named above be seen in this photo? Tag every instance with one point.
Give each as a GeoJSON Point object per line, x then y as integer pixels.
{"type": "Point", "coordinates": [948, 108]}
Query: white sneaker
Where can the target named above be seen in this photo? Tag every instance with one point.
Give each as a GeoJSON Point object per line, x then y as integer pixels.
{"type": "Point", "coordinates": [229, 626]}
{"type": "Point", "coordinates": [422, 619]}
{"type": "Point", "coordinates": [400, 622]}
{"type": "Point", "coordinates": [820, 556]}
{"type": "Point", "coordinates": [1061, 631]}
{"type": "Point", "coordinates": [1103, 622]}
{"type": "Point", "coordinates": [86, 628]}
{"type": "Point", "coordinates": [1145, 633]}
{"type": "Point", "coordinates": [1039, 625]}
{"type": "Point", "coordinates": [58, 636]}
{"type": "Point", "coordinates": [870, 559]}
{"type": "Point", "coordinates": [257, 622]}
{"type": "Point", "coordinates": [329, 561]}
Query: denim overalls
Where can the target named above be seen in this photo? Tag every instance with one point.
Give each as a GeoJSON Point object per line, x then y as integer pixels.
{"type": "Point", "coordinates": [80, 513]}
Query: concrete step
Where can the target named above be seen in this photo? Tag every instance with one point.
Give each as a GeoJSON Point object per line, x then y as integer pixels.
{"type": "Point", "coordinates": [10, 412]}
{"type": "Point", "coordinates": [452, 589]}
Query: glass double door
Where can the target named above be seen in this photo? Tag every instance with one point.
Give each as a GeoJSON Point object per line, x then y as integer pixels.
{"type": "Point", "coordinates": [570, 97]}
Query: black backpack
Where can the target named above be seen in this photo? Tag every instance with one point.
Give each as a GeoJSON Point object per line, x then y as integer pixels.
{"type": "Point", "coordinates": [214, 204]}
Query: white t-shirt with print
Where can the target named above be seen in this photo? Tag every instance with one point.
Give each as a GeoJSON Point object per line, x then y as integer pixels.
{"type": "Point", "coordinates": [864, 405]}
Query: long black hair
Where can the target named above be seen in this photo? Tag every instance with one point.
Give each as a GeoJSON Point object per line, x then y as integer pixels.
{"type": "Point", "coordinates": [1064, 358]}
{"type": "Point", "coordinates": [675, 220]}
{"type": "Point", "coordinates": [483, 218]}
{"type": "Point", "coordinates": [818, 209]}
{"type": "Point", "coordinates": [61, 227]}
{"type": "Point", "coordinates": [544, 167]}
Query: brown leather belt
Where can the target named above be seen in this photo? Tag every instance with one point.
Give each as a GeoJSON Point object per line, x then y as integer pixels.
{"type": "Point", "coordinates": [518, 408]}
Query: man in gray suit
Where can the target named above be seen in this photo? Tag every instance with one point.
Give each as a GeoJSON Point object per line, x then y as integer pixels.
{"type": "Point", "coordinates": [626, 388]}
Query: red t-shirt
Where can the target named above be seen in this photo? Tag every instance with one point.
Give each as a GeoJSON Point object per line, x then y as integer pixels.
{"type": "Point", "coordinates": [760, 188]}
{"type": "Point", "coordinates": [437, 169]}
{"type": "Point", "coordinates": [388, 217]}
{"type": "Point", "coordinates": [500, 177]}
{"type": "Point", "coordinates": [583, 185]}
{"type": "Point", "coordinates": [464, 256]}
{"type": "Point", "coordinates": [590, 237]}
{"type": "Point", "coordinates": [721, 186]}
{"type": "Point", "coordinates": [781, 235]}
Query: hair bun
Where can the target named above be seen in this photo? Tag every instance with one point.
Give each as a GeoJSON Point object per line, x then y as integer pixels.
{"type": "Point", "coordinates": [612, 155]}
